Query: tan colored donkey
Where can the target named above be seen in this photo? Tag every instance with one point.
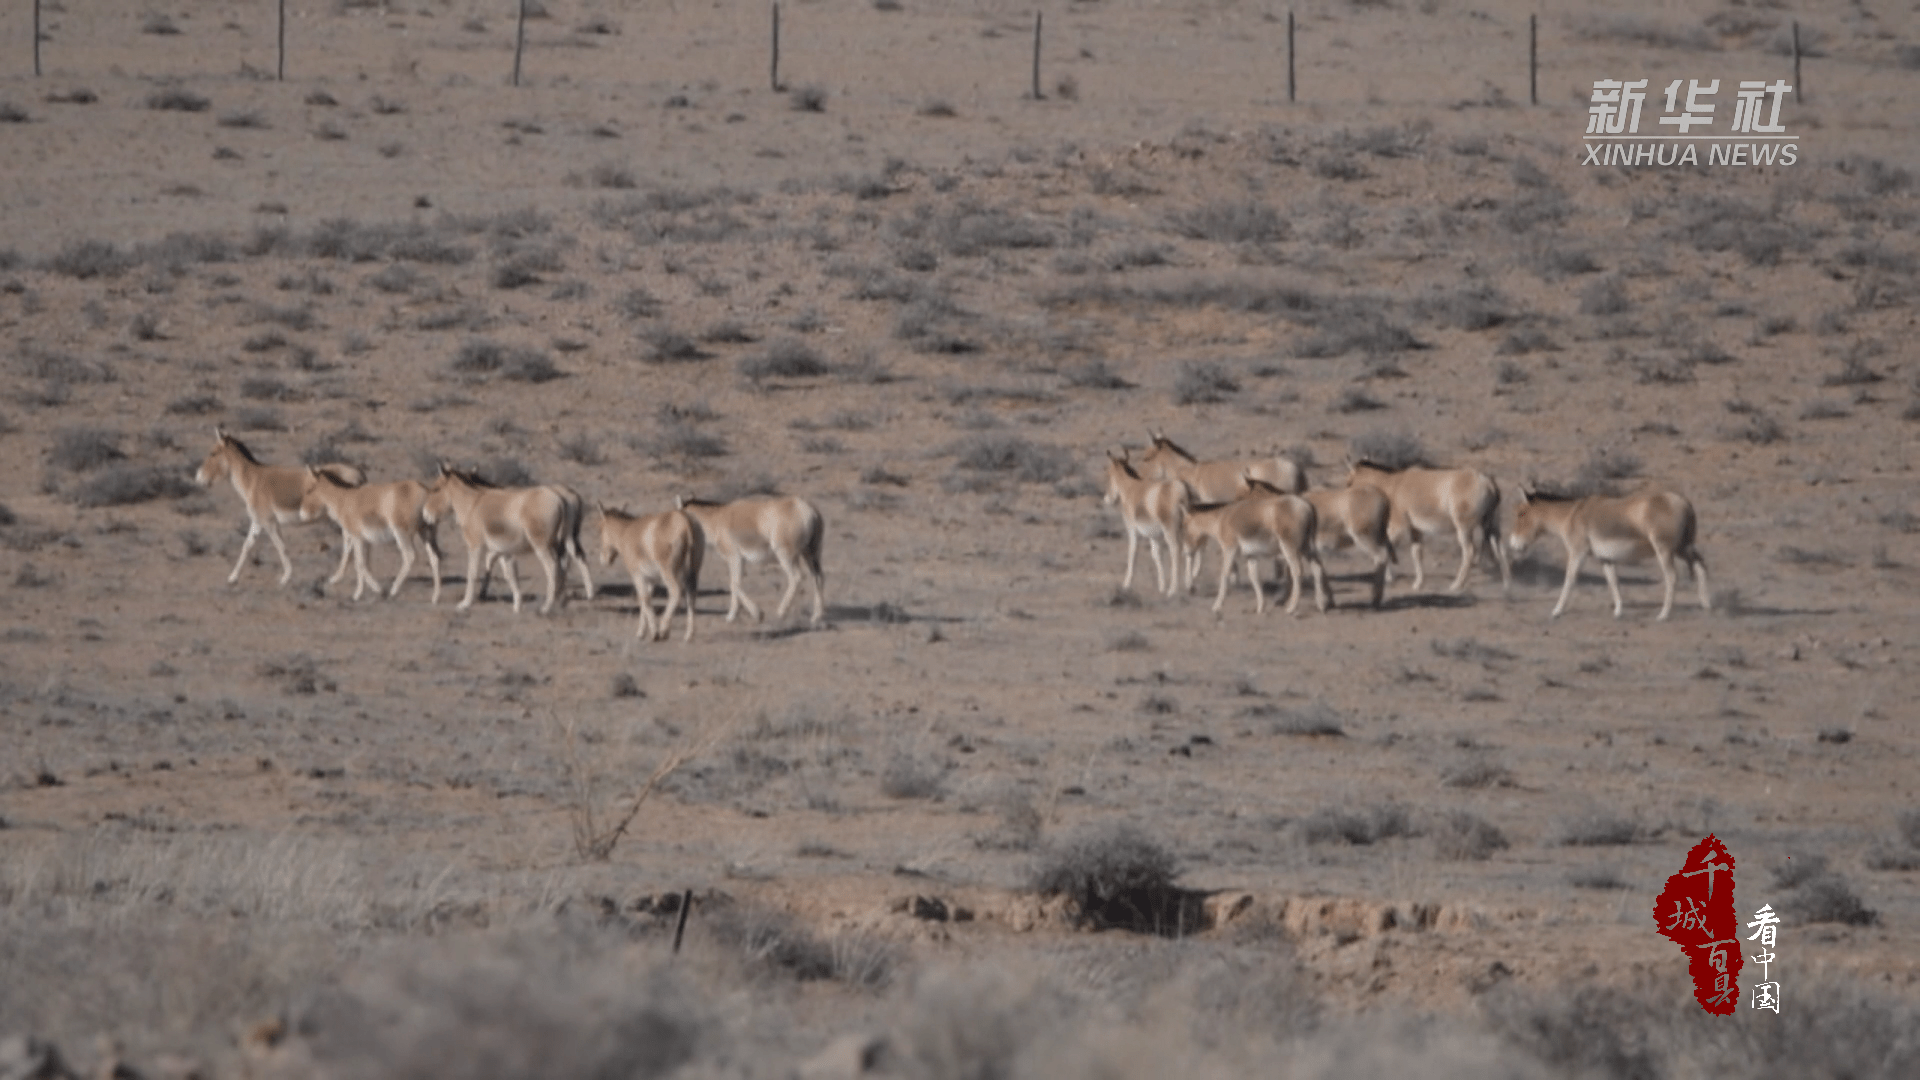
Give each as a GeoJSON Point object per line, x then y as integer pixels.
{"type": "Point", "coordinates": [1656, 524]}
{"type": "Point", "coordinates": [1217, 481]}
{"type": "Point", "coordinates": [665, 547]}
{"type": "Point", "coordinates": [272, 494]}
{"type": "Point", "coordinates": [1358, 518]}
{"type": "Point", "coordinates": [1427, 501]}
{"type": "Point", "coordinates": [370, 515]}
{"type": "Point", "coordinates": [506, 522]}
{"type": "Point", "coordinates": [787, 529]}
{"type": "Point", "coordinates": [1154, 509]}
{"type": "Point", "coordinates": [1348, 518]}
{"type": "Point", "coordinates": [1261, 526]}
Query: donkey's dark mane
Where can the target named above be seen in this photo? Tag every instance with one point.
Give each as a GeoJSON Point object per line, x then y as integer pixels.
{"type": "Point", "coordinates": [1162, 440]}
{"type": "Point", "coordinates": [242, 448]}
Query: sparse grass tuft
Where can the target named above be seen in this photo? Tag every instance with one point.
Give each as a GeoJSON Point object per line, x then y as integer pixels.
{"type": "Point", "coordinates": [666, 345]}
{"type": "Point", "coordinates": [785, 358]}
{"type": "Point", "coordinates": [1115, 875]}
{"type": "Point", "coordinates": [85, 259]}
{"type": "Point", "coordinates": [1394, 448]}
{"type": "Point", "coordinates": [1318, 719]}
{"type": "Point", "coordinates": [482, 357]}
{"type": "Point", "coordinates": [1029, 462]}
{"type": "Point", "coordinates": [177, 99]}
{"type": "Point", "coordinates": [1605, 296]}
{"type": "Point", "coordinates": [912, 776]}
{"type": "Point", "coordinates": [85, 449]}
{"type": "Point", "coordinates": [124, 485]}
{"type": "Point", "coordinates": [1233, 222]}
{"type": "Point", "coordinates": [1203, 383]}
{"type": "Point", "coordinates": [1595, 829]}
{"type": "Point", "coordinates": [1598, 877]}
{"type": "Point", "coordinates": [1371, 825]}
{"type": "Point", "coordinates": [1463, 836]}
{"type": "Point", "coordinates": [1478, 771]}
{"type": "Point", "coordinates": [811, 98]}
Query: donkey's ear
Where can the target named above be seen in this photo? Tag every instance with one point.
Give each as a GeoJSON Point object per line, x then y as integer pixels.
{"type": "Point", "coordinates": [679, 502]}
{"type": "Point", "coordinates": [219, 433]}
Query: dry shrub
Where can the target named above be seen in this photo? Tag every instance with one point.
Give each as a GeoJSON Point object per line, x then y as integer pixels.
{"type": "Point", "coordinates": [1114, 875]}
{"type": "Point", "coordinates": [1463, 836]}
{"type": "Point", "coordinates": [1370, 825]}
{"type": "Point", "coordinates": [124, 485]}
{"type": "Point", "coordinates": [516, 1005]}
{"type": "Point", "coordinates": [1029, 462]}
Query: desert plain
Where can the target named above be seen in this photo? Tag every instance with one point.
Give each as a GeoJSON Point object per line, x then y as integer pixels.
{"type": "Point", "coordinates": [265, 830]}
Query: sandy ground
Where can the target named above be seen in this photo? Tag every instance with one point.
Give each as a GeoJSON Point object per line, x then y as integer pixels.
{"type": "Point", "coordinates": [999, 290]}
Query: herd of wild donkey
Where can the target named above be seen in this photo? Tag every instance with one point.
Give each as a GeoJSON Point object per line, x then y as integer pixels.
{"type": "Point", "coordinates": [1254, 510]}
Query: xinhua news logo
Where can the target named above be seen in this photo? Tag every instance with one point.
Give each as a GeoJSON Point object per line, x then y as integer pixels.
{"type": "Point", "coordinates": [1755, 137]}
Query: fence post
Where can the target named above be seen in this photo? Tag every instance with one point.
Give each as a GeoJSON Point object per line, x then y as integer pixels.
{"type": "Point", "coordinates": [680, 930]}
{"type": "Point", "coordinates": [36, 38]}
{"type": "Point", "coordinates": [281, 70]}
{"type": "Point", "coordinates": [1796, 61]}
{"type": "Point", "coordinates": [1036, 57]}
{"type": "Point", "coordinates": [1289, 56]}
{"type": "Point", "coordinates": [1533, 59]}
{"type": "Point", "coordinates": [774, 70]}
{"type": "Point", "coordinates": [519, 41]}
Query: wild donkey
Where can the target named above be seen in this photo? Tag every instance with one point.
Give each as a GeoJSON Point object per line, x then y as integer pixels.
{"type": "Point", "coordinates": [272, 494]}
{"type": "Point", "coordinates": [370, 515]}
{"type": "Point", "coordinates": [665, 547]}
{"type": "Point", "coordinates": [506, 522]}
{"type": "Point", "coordinates": [1266, 524]}
{"type": "Point", "coordinates": [1218, 481]}
{"type": "Point", "coordinates": [1656, 524]}
{"type": "Point", "coordinates": [1155, 509]}
{"type": "Point", "coordinates": [1427, 501]}
{"type": "Point", "coordinates": [787, 529]}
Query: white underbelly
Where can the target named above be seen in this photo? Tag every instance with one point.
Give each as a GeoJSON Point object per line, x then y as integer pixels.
{"type": "Point", "coordinates": [1619, 549]}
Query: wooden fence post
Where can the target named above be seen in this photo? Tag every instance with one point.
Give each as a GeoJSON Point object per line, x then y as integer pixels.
{"type": "Point", "coordinates": [1036, 57]}
{"type": "Point", "coordinates": [1289, 56]}
{"type": "Point", "coordinates": [1533, 59]}
{"type": "Point", "coordinates": [281, 70]}
{"type": "Point", "coordinates": [680, 929]}
{"type": "Point", "coordinates": [519, 41]}
{"type": "Point", "coordinates": [36, 38]}
{"type": "Point", "coordinates": [774, 70]}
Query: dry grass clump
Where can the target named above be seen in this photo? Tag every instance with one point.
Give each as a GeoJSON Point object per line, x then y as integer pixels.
{"type": "Point", "coordinates": [501, 1006]}
{"type": "Point", "coordinates": [177, 99]}
{"type": "Point", "coordinates": [86, 259]}
{"type": "Point", "coordinates": [85, 449]}
{"type": "Point", "coordinates": [1463, 836]}
{"type": "Point", "coordinates": [1370, 825]}
{"type": "Point", "coordinates": [785, 358]}
{"type": "Point", "coordinates": [1317, 719]}
{"type": "Point", "coordinates": [1477, 771]}
{"type": "Point", "coordinates": [124, 485]}
{"type": "Point", "coordinates": [1203, 383]}
{"type": "Point", "coordinates": [1247, 221]}
{"type": "Point", "coordinates": [1114, 875]}
{"type": "Point", "coordinates": [1391, 448]}
{"type": "Point", "coordinates": [913, 776]}
{"type": "Point", "coordinates": [1841, 1028]}
{"type": "Point", "coordinates": [485, 358]}
{"type": "Point", "coordinates": [1596, 829]}
{"type": "Point", "coordinates": [1026, 461]}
